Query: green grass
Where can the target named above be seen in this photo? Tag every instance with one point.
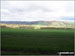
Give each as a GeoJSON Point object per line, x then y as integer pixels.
{"type": "Point", "coordinates": [36, 41]}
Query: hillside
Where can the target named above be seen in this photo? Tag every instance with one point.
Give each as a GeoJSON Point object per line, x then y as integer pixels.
{"type": "Point", "coordinates": [39, 22]}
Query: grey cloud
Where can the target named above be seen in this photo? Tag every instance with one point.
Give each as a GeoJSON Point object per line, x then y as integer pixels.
{"type": "Point", "coordinates": [30, 8]}
{"type": "Point", "coordinates": [35, 7]}
{"type": "Point", "coordinates": [19, 11]}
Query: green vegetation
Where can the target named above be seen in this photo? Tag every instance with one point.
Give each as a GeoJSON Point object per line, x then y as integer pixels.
{"type": "Point", "coordinates": [36, 41]}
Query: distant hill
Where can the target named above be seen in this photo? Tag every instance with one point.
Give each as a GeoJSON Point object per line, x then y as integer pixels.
{"type": "Point", "coordinates": [47, 23]}
{"type": "Point", "coordinates": [24, 22]}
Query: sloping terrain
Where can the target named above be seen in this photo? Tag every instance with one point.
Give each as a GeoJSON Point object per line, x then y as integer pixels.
{"type": "Point", "coordinates": [56, 24]}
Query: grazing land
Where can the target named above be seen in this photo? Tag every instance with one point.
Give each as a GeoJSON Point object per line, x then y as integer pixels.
{"type": "Point", "coordinates": [36, 41]}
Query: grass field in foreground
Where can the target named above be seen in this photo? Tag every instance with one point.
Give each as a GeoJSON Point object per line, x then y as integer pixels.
{"type": "Point", "coordinates": [36, 41]}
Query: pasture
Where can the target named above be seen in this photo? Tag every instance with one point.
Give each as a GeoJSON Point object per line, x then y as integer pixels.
{"type": "Point", "coordinates": [36, 41]}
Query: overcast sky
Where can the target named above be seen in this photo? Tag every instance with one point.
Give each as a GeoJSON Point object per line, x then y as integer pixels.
{"type": "Point", "coordinates": [37, 10]}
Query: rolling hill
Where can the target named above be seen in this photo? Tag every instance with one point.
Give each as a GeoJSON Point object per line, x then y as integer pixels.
{"type": "Point", "coordinates": [42, 23]}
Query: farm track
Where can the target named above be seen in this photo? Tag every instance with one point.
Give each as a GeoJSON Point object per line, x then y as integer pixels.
{"type": "Point", "coordinates": [30, 52]}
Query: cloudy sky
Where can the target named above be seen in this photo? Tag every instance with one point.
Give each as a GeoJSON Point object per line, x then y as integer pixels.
{"type": "Point", "coordinates": [37, 10]}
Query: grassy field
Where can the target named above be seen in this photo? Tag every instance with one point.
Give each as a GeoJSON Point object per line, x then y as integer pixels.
{"type": "Point", "coordinates": [36, 41]}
